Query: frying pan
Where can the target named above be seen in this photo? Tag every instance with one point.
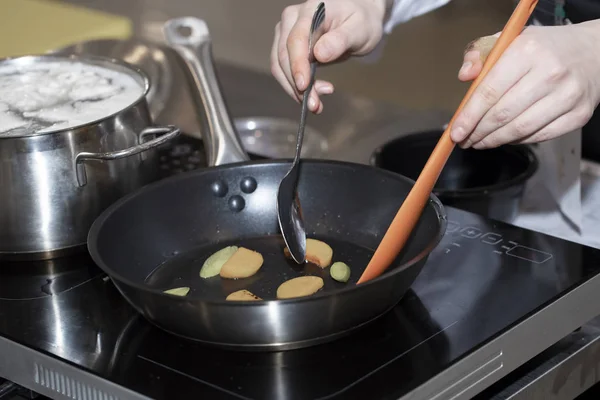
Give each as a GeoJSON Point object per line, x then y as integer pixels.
{"type": "Point", "coordinates": [158, 237]}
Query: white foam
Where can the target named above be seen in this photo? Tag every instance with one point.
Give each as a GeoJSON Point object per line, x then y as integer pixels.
{"type": "Point", "coordinates": [53, 95]}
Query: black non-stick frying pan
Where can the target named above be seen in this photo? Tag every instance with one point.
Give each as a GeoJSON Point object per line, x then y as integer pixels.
{"type": "Point", "coordinates": [158, 237]}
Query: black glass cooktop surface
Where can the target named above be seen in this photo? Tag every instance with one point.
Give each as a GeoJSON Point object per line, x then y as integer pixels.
{"type": "Point", "coordinates": [483, 278]}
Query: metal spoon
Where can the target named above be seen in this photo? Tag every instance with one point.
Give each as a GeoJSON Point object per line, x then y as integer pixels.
{"type": "Point", "coordinates": [289, 210]}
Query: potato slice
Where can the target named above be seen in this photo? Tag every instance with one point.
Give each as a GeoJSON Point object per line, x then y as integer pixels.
{"type": "Point", "coordinates": [299, 287]}
{"type": "Point", "coordinates": [340, 272]}
{"type": "Point", "coordinates": [243, 295]}
{"type": "Point", "coordinates": [213, 264]}
{"type": "Point", "coordinates": [242, 264]}
{"type": "Point", "coordinates": [317, 252]}
{"type": "Point", "coordinates": [180, 291]}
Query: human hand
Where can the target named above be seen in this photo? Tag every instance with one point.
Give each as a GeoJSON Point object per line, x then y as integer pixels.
{"type": "Point", "coordinates": [352, 27]}
{"type": "Point", "coordinates": [546, 84]}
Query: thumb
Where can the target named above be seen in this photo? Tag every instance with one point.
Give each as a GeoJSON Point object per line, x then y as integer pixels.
{"type": "Point", "coordinates": [351, 37]}
{"type": "Point", "coordinates": [475, 55]}
{"type": "Point", "coordinates": [346, 40]}
{"type": "Point", "coordinates": [331, 46]}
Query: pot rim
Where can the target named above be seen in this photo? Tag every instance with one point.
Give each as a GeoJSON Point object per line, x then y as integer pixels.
{"type": "Point", "coordinates": [110, 63]}
{"type": "Point", "coordinates": [520, 150]}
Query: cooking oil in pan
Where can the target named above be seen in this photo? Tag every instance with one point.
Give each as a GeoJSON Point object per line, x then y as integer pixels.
{"type": "Point", "coordinates": [183, 270]}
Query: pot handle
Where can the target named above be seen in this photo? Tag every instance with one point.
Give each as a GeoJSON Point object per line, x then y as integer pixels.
{"type": "Point", "coordinates": [169, 133]}
{"type": "Point", "coordinates": [190, 38]}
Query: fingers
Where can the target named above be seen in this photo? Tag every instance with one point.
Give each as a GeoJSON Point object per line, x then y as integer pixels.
{"type": "Point", "coordinates": [573, 112]}
{"type": "Point", "coordinates": [539, 89]}
{"type": "Point", "coordinates": [351, 28]}
{"type": "Point", "coordinates": [314, 101]}
{"type": "Point", "coordinates": [289, 57]}
{"type": "Point", "coordinates": [563, 110]}
{"type": "Point", "coordinates": [320, 87]}
{"type": "Point", "coordinates": [565, 123]}
{"type": "Point", "coordinates": [516, 101]}
{"type": "Point", "coordinates": [297, 48]}
{"type": "Point", "coordinates": [288, 21]}
{"type": "Point", "coordinates": [471, 67]}
{"type": "Point", "coordinates": [323, 87]}
{"type": "Point", "coordinates": [483, 45]}
{"type": "Point", "coordinates": [506, 73]}
{"type": "Point", "coordinates": [532, 120]}
{"type": "Point", "coordinates": [276, 69]}
{"type": "Point", "coordinates": [475, 55]}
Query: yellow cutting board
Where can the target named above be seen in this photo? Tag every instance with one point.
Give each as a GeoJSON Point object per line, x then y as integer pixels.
{"type": "Point", "coordinates": [38, 26]}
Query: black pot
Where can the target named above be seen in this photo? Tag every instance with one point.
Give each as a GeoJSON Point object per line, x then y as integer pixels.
{"type": "Point", "coordinates": [487, 182]}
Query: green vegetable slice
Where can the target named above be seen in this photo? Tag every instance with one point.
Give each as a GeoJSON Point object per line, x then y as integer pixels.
{"type": "Point", "coordinates": [340, 272]}
{"type": "Point", "coordinates": [180, 291]}
{"type": "Point", "coordinates": [213, 264]}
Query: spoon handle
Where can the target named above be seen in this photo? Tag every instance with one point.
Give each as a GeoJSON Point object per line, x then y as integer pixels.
{"type": "Point", "coordinates": [315, 34]}
{"type": "Point", "coordinates": [409, 213]}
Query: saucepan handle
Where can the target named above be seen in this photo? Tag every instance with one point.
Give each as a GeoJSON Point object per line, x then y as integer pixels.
{"type": "Point", "coordinates": [168, 133]}
{"type": "Point", "coordinates": [190, 38]}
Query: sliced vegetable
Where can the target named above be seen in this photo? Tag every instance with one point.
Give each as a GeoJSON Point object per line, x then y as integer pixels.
{"type": "Point", "coordinates": [340, 271]}
{"type": "Point", "coordinates": [243, 295]}
{"type": "Point", "coordinates": [213, 264]}
{"type": "Point", "coordinates": [242, 264]}
{"type": "Point", "coordinates": [180, 291]}
{"type": "Point", "coordinates": [299, 287]}
{"type": "Point", "coordinates": [317, 252]}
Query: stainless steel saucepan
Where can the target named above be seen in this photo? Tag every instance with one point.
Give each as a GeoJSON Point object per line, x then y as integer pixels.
{"type": "Point", "coordinates": [54, 184]}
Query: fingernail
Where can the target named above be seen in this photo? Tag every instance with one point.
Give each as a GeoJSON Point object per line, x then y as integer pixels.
{"type": "Point", "coordinates": [478, 146]}
{"type": "Point", "coordinates": [458, 134]}
{"type": "Point", "coordinates": [299, 81]}
{"type": "Point", "coordinates": [465, 67]}
{"type": "Point", "coordinates": [312, 103]}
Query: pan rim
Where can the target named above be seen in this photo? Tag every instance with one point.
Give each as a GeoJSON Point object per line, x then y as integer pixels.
{"type": "Point", "coordinates": [103, 217]}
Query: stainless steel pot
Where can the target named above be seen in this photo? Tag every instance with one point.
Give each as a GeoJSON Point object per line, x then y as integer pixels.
{"type": "Point", "coordinates": [53, 185]}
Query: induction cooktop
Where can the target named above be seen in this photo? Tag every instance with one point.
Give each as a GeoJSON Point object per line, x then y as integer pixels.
{"type": "Point", "coordinates": [490, 298]}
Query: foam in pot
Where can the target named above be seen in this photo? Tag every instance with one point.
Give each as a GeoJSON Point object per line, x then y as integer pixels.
{"type": "Point", "coordinates": [51, 95]}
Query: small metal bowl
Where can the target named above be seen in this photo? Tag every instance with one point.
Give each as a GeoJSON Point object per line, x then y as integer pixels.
{"type": "Point", "coordinates": [266, 137]}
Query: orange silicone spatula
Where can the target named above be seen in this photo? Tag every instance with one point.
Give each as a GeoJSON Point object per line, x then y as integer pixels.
{"type": "Point", "coordinates": [410, 211]}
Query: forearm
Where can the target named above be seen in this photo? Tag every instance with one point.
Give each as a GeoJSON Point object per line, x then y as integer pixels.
{"type": "Point", "coordinates": [401, 11]}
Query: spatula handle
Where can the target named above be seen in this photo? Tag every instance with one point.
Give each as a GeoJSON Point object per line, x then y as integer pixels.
{"type": "Point", "coordinates": [409, 213]}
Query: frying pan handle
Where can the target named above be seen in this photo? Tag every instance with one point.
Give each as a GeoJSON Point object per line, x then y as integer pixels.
{"type": "Point", "coordinates": [190, 38]}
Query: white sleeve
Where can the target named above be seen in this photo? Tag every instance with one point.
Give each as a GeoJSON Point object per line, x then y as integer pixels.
{"type": "Point", "coordinates": [405, 10]}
